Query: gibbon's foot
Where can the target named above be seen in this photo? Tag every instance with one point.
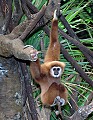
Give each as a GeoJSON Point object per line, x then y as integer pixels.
{"type": "Point", "coordinates": [59, 100]}
{"type": "Point", "coordinates": [33, 53]}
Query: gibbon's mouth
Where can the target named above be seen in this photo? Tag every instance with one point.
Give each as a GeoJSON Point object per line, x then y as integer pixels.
{"type": "Point", "coordinates": [59, 100]}
{"type": "Point", "coordinates": [56, 76]}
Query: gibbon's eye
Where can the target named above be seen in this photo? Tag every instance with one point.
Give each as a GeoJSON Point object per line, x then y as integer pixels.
{"type": "Point", "coordinates": [58, 69]}
{"type": "Point", "coordinates": [54, 69]}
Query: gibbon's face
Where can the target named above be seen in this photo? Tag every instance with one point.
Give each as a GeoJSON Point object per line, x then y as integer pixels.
{"type": "Point", "coordinates": [56, 71]}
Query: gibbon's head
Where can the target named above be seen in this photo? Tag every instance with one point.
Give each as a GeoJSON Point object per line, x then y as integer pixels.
{"type": "Point", "coordinates": [54, 68]}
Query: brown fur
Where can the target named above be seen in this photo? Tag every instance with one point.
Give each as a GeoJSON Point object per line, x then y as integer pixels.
{"type": "Point", "coordinates": [53, 91]}
{"type": "Point", "coordinates": [50, 86]}
{"type": "Point", "coordinates": [53, 52]}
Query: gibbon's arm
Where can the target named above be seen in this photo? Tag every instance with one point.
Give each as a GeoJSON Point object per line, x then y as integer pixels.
{"type": "Point", "coordinates": [53, 52]}
{"type": "Point", "coordinates": [35, 66]}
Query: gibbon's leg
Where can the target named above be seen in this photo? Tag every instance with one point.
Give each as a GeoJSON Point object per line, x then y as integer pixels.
{"type": "Point", "coordinates": [53, 52]}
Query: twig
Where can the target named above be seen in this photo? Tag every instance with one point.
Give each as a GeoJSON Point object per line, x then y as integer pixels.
{"type": "Point", "coordinates": [25, 9]}
{"type": "Point", "coordinates": [69, 77]}
{"type": "Point", "coordinates": [17, 14]}
{"type": "Point", "coordinates": [18, 30]}
{"type": "Point", "coordinates": [32, 8]}
{"type": "Point", "coordinates": [89, 99]}
{"type": "Point", "coordinates": [74, 97]}
{"type": "Point", "coordinates": [73, 102]}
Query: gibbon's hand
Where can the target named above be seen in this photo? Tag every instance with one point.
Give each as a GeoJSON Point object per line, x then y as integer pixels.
{"type": "Point", "coordinates": [33, 53]}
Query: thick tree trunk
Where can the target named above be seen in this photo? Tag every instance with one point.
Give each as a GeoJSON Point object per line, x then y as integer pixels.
{"type": "Point", "coordinates": [10, 87]}
{"type": "Point", "coordinates": [10, 94]}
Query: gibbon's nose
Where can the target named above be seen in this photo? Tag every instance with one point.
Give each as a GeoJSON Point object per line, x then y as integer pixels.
{"type": "Point", "coordinates": [56, 72]}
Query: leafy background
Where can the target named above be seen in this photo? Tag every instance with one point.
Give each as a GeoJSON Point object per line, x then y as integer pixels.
{"type": "Point", "coordinates": [79, 14]}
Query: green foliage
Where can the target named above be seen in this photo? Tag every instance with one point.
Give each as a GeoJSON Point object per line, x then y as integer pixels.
{"type": "Point", "coordinates": [79, 15]}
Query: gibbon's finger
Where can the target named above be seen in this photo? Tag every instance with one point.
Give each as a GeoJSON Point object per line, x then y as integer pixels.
{"type": "Point", "coordinates": [33, 49]}
{"type": "Point", "coordinates": [33, 52]}
{"type": "Point", "coordinates": [26, 46]}
{"type": "Point", "coordinates": [34, 56]}
{"type": "Point", "coordinates": [55, 15]}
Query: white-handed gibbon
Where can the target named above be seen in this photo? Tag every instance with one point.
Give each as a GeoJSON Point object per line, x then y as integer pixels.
{"type": "Point", "coordinates": [48, 74]}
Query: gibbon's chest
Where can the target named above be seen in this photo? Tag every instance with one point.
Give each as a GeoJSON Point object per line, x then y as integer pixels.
{"type": "Point", "coordinates": [47, 81]}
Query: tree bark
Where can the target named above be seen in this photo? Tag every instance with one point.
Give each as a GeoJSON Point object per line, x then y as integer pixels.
{"type": "Point", "coordinates": [10, 87]}
{"type": "Point", "coordinates": [10, 90]}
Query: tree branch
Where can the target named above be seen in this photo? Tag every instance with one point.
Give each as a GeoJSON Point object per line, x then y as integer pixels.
{"type": "Point", "coordinates": [76, 66]}
{"type": "Point", "coordinates": [10, 47]}
{"type": "Point", "coordinates": [83, 112]}
{"type": "Point", "coordinates": [7, 12]}
{"type": "Point", "coordinates": [25, 9]}
{"type": "Point", "coordinates": [87, 53]}
{"type": "Point", "coordinates": [89, 99]}
{"type": "Point", "coordinates": [29, 91]}
{"type": "Point", "coordinates": [33, 23]}
{"type": "Point", "coordinates": [18, 49]}
{"type": "Point", "coordinates": [17, 14]}
{"type": "Point", "coordinates": [18, 30]}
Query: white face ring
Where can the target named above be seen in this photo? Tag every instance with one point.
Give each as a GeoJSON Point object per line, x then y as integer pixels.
{"type": "Point", "coordinates": [56, 71]}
